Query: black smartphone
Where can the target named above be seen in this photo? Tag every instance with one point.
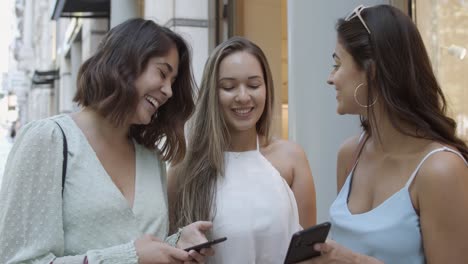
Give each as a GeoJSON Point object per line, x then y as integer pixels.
{"type": "Point", "coordinates": [206, 244]}
{"type": "Point", "coordinates": [302, 243]}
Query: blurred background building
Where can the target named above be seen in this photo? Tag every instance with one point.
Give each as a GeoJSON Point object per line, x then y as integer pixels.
{"type": "Point", "coordinates": [54, 37]}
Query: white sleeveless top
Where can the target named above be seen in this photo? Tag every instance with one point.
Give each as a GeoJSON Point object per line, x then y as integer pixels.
{"type": "Point", "coordinates": [255, 209]}
{"type": "Point", "coordinates": [390, 232]}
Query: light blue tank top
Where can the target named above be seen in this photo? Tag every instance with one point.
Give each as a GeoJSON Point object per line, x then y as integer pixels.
{"type": "Point", "coordinates": [390, 232]}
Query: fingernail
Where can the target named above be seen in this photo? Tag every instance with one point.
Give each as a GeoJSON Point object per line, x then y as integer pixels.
{"type": "Point", "coordinates": [317, 247]}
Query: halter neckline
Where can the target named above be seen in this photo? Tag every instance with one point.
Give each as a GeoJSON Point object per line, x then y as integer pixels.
{"type": "Point", "coordinates": [256, 149]}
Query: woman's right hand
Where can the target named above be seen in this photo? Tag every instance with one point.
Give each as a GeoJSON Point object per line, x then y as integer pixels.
{"type": "Point", "coordinates": [151, 250]}
{"type": "Point", "coordinates": [334, 253]}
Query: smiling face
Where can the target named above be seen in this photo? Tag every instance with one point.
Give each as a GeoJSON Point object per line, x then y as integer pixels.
{"type": "Point", "coordinates": [346, 76]}
{"type": "Point", "coordinates": [242, 91]}
{"type": "Point", "coordinates": [154, 85]}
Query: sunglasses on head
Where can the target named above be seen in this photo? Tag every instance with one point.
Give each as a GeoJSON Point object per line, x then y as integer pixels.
{"type": "Point", "coordinates": [357, 13]}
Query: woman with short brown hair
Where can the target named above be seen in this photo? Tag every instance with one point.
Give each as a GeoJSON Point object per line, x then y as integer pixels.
{"type": "Point", "coordinates": [107, 203]}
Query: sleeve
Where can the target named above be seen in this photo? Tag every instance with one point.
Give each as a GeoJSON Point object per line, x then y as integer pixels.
{"type": "Point", "coordinates": [173, 239]}
{"type": "Point", "coordinates": [31, 223]}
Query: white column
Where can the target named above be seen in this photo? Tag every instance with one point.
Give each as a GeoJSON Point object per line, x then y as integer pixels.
{"type": "Point", "coordinates": [313, 121]}
{"type": "Point", "coordinates": [32, 99]}
{"type": "Point", "coordinates": [189, 18]}
{"type": "Point", "coordinates": [160, 11]}
{"type": "Point", "coordinates": [20, 83]}
{"type": "Point", "coordinates": [191, 21]}
{"type": "Point", "coordinates": [92, 32]}
{"type": "Point", "coordinates": [27, 27]}
{"type": "Point", "coordinates": [76, 59]}
{"type": "Point", "coordinates": [47, 102]}
{"type": "Point", "coordinates": [122, 10]}
{"type": "Point", "coordinates": [65, 91]}
{"type": "Point", "coordinates": [26, 61]}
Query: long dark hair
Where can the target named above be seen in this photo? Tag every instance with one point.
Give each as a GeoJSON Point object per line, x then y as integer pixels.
{"type": "Point", "coordinates": [209, 137]}
{"type": "Point", "coordinates": [106, 83]}
{"type": "Point", "coordinates": [399, 72]}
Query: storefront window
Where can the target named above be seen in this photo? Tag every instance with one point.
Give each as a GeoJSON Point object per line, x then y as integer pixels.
{"type": "Point", "coordinates": [444, 28]}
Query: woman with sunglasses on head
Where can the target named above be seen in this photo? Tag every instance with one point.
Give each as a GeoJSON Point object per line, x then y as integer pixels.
{"type": "Point", "coordinates": [403, 183]}
{"type": "Point", "coordinates": [235, 173]}
{"type": "Point", "coordinates": [136, 93]}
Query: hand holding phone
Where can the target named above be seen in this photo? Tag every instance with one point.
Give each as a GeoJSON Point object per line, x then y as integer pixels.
{"type": "Point", "coordinates": [302, 243]}
{"type": "Point", "coordinates": [206, 244]}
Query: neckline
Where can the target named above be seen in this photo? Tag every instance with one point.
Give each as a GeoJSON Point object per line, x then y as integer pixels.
{"type": "Point", "coordinates": [376, 208]}
{"type": "Point", "coordinates": [108, 177]}
{"type": "Point", "coordinates": [238, 153]}
{"type": "Point", "coordinates": [391, 197]}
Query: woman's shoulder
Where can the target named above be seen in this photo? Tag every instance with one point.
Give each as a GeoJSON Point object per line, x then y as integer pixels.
{"type": "Point", "coordinates": [41, 127]}
{"type": "Point", "coordinates": [442, 164]}
{"type": "Point", "coordinates": [286, 156]}
{"type": "Point", "coordinates": [348, 147]}
{"type": "Point", "coordinates": [442, 176]}
{"type": "Point", "coordinates": [350, 144]}
{"type": "Point", "coordinates": [47, 132]}
{"type": "Point", "coordinates": [37, 140]}
{"type": "Point", "coordinates": [289, 148]}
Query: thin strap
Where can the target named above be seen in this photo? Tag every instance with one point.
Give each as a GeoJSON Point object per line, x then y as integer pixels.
{"type": "Point", "coordinates": [65, 157]}
{"type": "Point", "coordinates": [362, 136]}
{"type": "Point", "coordinates": [258, 144]}
{"type": "Point", "coordinates": [408, 183]}
{"type": "Point", "coordinates": [362, 141]}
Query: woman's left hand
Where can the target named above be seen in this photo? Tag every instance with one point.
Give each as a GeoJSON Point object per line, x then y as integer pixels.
{"type": "Point", "coordinates": [193, 235]}
{"type": "Point", "coordinates": [333, 252]}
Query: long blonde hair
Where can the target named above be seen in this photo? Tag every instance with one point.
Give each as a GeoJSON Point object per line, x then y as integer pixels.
{"type": "Point", "coordinates": [196, 176]}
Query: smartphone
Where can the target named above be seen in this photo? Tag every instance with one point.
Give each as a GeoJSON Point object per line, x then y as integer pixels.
{"type": "Point", "coordinates": [206, 244]}
{"type": "Point", "coordinates": [302, 243]}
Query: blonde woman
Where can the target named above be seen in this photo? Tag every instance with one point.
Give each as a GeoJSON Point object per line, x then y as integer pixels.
{"type": "Point", "coordinates": [249, 184]}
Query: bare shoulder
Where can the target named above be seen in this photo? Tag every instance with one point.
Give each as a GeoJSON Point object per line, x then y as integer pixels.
{"type": "Point", "coordinates": [285, 149]}
{"type": "Point", "coordinates": [347, 149]}
{"type": "Point", "coordinates": [441, 187]}
{"type": "Point", "coordinates": [442, 171]}
{"type": "Point", "coordinates": [286, 156]}
{"type": "Point", "coordinates": [442, 177]}
{"type": "Point", "coordinates": [345, 154]}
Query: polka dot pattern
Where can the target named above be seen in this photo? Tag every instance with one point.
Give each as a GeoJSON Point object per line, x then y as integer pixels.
{"type": "Point", "coordinates": [93, 219]}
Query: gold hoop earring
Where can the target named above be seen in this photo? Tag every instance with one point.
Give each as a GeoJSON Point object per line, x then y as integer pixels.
{"type": "Point", "coordinates": [357, 102]}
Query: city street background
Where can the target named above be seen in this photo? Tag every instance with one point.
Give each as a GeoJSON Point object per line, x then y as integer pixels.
{"type": "Point", "coordinates": [6, 25]}
{"type": "Point", "coordinates": [5, 146]}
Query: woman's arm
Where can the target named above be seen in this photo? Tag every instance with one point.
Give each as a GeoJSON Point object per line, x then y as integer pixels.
{"type": "Point", "coordinates": [333, 252]}
{"type": "Point", "coordinates": [31, 222]}
{"type": "Point", "coordinates": [442, 195]}
{"type": "Point", "coordinates": [303, 186]}
{"type": "Point", "coordinates": [31, 203]}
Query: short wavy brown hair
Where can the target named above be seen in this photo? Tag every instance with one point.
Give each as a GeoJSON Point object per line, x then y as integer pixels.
{"type": "Point", "coordinates": [106, 84]}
